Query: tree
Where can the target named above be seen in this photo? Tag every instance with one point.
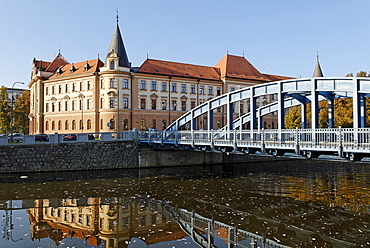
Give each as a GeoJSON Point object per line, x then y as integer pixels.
{"type": "Point", "coordinates": [292, 118]}
{"type": "Point", "coordinates": [21, 111]}
{"type": "Point", "coordinates": [5, 111]}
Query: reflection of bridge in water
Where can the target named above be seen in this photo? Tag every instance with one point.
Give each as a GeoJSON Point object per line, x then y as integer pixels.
{"type": "Point", "coordinates": [117, 221]}
{"type": "Point", "coordinates": [246, 132]}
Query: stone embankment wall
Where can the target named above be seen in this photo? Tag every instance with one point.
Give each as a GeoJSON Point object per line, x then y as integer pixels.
{"type": "Point", "coordinates": [107, 155]}
{"type": "Point", "coordinates": [69, 156]}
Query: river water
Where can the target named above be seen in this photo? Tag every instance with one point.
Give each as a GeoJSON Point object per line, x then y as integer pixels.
{"type": "Point", "coordinates": [298, 203]}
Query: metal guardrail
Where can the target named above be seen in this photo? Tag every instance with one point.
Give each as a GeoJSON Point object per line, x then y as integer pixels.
{"type": "Point", "coordinates": [344, 141]}
{"type": "Point", "coordinates": [68, 138]}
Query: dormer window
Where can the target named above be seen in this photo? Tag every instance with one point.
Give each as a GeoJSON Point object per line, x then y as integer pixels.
{"type": "Point", "coordinates": [59, 71]}
{"type": "Point", "coordinates": [111, 65]}
{"type": "Point", "coordinates": [87, 66]}
{"type": "Point", "coordinates": [73, 69]}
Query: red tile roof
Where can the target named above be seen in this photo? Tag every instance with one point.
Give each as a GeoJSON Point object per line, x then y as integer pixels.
{"type": "Point", "coordinates": [179, 69]}
{"type": "Point", "coordinates": [238, 67]}
{"type": "Point", "coordinates": [94, 66]}
{"type": "Point", "coordinates": [58, 61]}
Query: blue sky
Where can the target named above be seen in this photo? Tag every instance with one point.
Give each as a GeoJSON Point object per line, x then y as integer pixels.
{"type": "Point", "coordinates": [277, 36]}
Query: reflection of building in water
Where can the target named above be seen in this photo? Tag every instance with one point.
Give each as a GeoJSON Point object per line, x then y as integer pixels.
{"type": "Point", "coordinates": [95, 220]}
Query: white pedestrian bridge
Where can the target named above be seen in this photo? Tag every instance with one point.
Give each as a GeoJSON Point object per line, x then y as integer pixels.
{"type": "Point", "coordinates": [352, 143]}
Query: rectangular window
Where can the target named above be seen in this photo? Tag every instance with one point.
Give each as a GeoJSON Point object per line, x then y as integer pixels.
{"type": "Point", "coordinates": [232, 89]}
{"type": "Point", "coordinates": [73, 105]}
{"type": "Point", "coordinates": [112, 83]}
{"type": "Point", "coordinates": [59, 106]}
{"type": "Point", "coordinates": [173, 87]}
{"type": "Point", "coordinates": [102, 84]}
{"type": "Point", "coordinates": [66, 103]}
{"type": "Point", "coordinates": [112, 102]}
{"type": "Point", "coordinates": [210, 90]}
{"type": "Point", "coordinates": [53, 107]}
{"type": "Point", "coordinates": [183, 88]}
{"type": "Point", "coordinates": [89, 85]}
{"type": "Point", "coordinates": [125, 103]}
{"type": "Point", "coordinates": [47, 91]}
{"type": "Point", "coordinates": [101, 103]}
{"type": "Point", "coordinates": [201, 90]}
{"type": "Point", "coordinates": [88, 104]}
{"type": "Point", "coordinates": [143, 103]}
{"type": "Point", "coordinates": [192, 89]}
{"type": "Point", "coordinates": [47, 107]}
{"type": "Point", "coordinates": [60, 89]}
{"type": "Point", "coordinates": [154, 103]}
{"type": "Point", "coordinates": [125, 83]}
{"type": "Point", "coordinates": [183, 105]}
{"type": "Point", "coordinates": [192, 104]}
{"type": "Point", "coordinates": [82, 86]}
{"type": "Point", "coordinates": [164, 86]}
{"type": "Point", "coordinates": [73, 87]}
{"type": "Point", "coordinates": [52, 90]}
{"type": "Point", "coordinates": [67, 88]}
{"type": "Point", "coordinates": [143, 85]}
{"type": "Point", "coordinates": [174, 104]}
{"type": "Point", "coordinates": [154, 85]}
{"type": "Point", "coordinates": [218, 91]}
{"type": "Point", "coordinates": [164, 104]}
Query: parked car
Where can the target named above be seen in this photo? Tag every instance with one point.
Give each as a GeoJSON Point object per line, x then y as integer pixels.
{"type": "Point", "coordinates": [16, 137]}
{"type": "Point", "coordinates": [67, 137]}
{"type": "Point", "coordinates": [41, 137]}
{"type": "Point", "coordinates": [91, 137]}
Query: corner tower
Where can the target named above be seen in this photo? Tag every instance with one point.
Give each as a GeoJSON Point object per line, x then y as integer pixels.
{"type": "Point", "coordinates": [117, 58]}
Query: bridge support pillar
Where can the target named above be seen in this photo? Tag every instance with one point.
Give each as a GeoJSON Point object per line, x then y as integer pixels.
{"type": "Point", "coordinates": [304, 115]}
{"type": "Point", "coordinates": [331, 113]}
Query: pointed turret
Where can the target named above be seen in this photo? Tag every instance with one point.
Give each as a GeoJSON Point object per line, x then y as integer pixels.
{"type": "Point", "coordinates": [117, 49]}
{"type": "Point", "coordinates": [318, 71]}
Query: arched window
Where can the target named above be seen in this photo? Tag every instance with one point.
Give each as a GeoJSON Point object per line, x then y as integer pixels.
{"type": "Point", "coordinates": [272, 125]}
{"type": "Point", "coordinates": [53, 125]}
{"type": "Point", "coordinates": [111, 65]}
{"type": "Point", "coordinates": [59, 125]}
{"type": "Point", "coordinates": [73, 125]}
{"type": "Point", "coordinates": [112, 123]}
{"type": "Point", "coordinates": [164, 124]}
{"type": "Point", "coordinates": [125, 124]}
{"type": "Point", "coordinates": [154, 124]}
{"type": "Point", "coordinates": [88, 124]}
{"type": "Point", "coordinates": [81, 125]}
{"type": "Point", "coordinates": [101, 123]}
{"type": "Point", "coordinates": [142, 125]}
{"type": "Point", "coordinates": [46, 125]}
{"type": "Point", "coordinates": [66, 125]}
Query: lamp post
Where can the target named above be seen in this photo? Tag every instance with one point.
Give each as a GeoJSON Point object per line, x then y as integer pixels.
{"type": "Point", "coordinates": [12, 117]}
{"type": "Point", "coordinates": [81, 97]}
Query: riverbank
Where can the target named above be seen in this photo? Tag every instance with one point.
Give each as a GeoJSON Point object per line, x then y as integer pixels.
{"type": "Point", "coordinates": [108, 155]}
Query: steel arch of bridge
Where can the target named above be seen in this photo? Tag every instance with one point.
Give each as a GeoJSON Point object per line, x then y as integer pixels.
{"type": "Point", "coordinates": [289, 93]}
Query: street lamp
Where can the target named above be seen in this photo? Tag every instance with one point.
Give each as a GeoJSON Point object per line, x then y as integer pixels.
{"type": "Point", "coordinates": [81, 97]}
{"type": "Point", "coordinates": [12, 117]}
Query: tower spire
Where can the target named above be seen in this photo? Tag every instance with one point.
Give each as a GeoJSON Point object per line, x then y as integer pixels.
{"type": "Point", "coordinates": [117, 16]}
{"type": "Point", "coordinates": [117, 47]}
{"type": "Point", "coordinates": [317, 72]}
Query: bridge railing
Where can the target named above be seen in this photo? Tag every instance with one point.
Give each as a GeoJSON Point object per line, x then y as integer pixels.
{"type": "Point", "coordinates": [329, 139]}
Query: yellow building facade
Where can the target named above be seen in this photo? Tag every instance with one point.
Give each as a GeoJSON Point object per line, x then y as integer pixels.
{"type": "Point", "coordinates": [94, 96]}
